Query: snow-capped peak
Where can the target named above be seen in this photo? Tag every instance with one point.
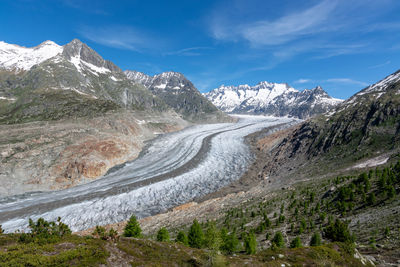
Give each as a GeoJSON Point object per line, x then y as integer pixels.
{"type": "Point", "coordinates": [230, 97]}
{"type": "Point", "coordinates": [381, 85]}
{"type": "Point", "coordinates": [15, 57]}
{"type": "Point", "coordinates": [277, 99]}
{"type": "Point", "coordinates": [169, 80]}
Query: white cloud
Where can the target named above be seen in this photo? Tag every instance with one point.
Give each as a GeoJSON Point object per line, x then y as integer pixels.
{"type": "Point", "coordinates": [279, 31]}
{"type": "Point", "coordinates": [325, 29]}
{"type": "Point", "coordinates": [190, 51]}
{"type": "Point", "coordinates": [124, 37]}
{"type": "Point", "coordinates": [380, 65]}
{"type": "Point", "coordinates": [346, 81]}
{"type": "Point", "coordinates": [302, 80]}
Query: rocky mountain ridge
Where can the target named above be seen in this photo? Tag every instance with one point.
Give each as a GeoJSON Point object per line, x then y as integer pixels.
{"type": "Point", "coordinates": [180, 94]}
{"type": "Point", "coordinates": [277, 99]}
{"type": "Point", "coordinates": [366, 126]}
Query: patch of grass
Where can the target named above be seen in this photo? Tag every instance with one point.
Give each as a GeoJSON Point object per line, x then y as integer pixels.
{"type": "Point", "coordinates": [68, 251]}
{"type": "Point", "coordinates": [152, 253]}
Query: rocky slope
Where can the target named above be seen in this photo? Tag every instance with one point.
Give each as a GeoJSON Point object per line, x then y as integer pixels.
{"type": "Point", "coordinates": [67, 116]}
{"type": "Point", "coordinates": [272, 99]}
{"type": "Point", "coordinates": [366, 126]}
{"type": "Point", "coordinates": [180, 94]}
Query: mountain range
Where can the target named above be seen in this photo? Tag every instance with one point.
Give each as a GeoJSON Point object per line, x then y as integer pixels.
{"type": "Point", "coordinates": [276, 99]}
{"type": "Point", "coordinates": [179, 93]}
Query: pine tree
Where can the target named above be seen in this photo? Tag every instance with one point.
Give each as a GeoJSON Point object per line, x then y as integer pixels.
{"type": "Point", "coordinates": [315, 240]}
{"type": "Point", "coordinates": [132, 228]}
{"type": "Point", "coordinates": [371, 199]}
{"type": "Point", "coordinates": [163, 235]}
{"type": "Point", "coordinates": [339, 231]}
{"type": "Point", "coordinates": [212, 239]}
{"type": "Point", "coordinates": [296, 243]}
{"type": "Point", "coordinates": [196, 236]}
{"type": "Point", "coordinates": [250, 244]}
{"type": "Point", "coordinates": [230, 242]}
{"type": "Point", "coordinates": [278, 240]}
{"type": "Point", "coordinates": [1, 230]}
{"type": "Point", "coordinates": [182, 238]}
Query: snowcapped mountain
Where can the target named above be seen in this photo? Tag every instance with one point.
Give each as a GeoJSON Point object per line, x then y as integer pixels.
{"type": "Point", "coordinates": [180, 94]}
{"type": "Point", "coordinates": [15, 57]}
{"type": "Point", "coordinates": [278, 99]}
{"type": "Point", "coordinates": [375, 91]}
{"type": "Point", "coordinates": [71, 75]}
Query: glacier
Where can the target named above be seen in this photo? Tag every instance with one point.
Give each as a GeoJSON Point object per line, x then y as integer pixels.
{"type": "Point", "coordinates": [173, 169]}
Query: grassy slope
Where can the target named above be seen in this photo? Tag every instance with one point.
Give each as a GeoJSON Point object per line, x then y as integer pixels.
{"type": "Point", "coordinates": [86, 251]}
{"type": "Point", "coordinates": [69, 251]}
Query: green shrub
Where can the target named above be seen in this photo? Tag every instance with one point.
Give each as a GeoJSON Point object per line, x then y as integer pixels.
{"type": "Point", "coordinates": [113, 234]}
{"type": "Point", "coordinates": [132, 228]}
{"type": "Point", "coordinates": [338, 231]}
{"type": "Point", "coordinates": [278, 240]}
{"type": "Point", "coordinates": [315, 240]}
{"type": "Point", "coordinates": [100, 232]}
{"type": "Point", "coordinates": [196, 235]}
{"type": "Point", "coordinates": [371, 199]}
{"type": "Point", "coordinates": [250, 244]}
{"type": "Point", "coordinates": [230, 242]}
{"type": "Point", "coordinates": [296, 243]}
{"type": "Point", "coordinates": [212, 239]}
{"type": "Point", "coordinates": [163, 235]}
{"type": "Point", "coordinates": [43, 231]}
{"type": "Point", "coordinates": [182, 238]}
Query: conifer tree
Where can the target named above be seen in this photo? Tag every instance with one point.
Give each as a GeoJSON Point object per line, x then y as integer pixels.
{"type": "Point", "coordinates": [132, 228]}
{"type": "Point", "coordinates": [196, 236]}
{"type": "Point", "coordinates": [163, 235]}
{"type": "Point", "coordinates": [182, 238]}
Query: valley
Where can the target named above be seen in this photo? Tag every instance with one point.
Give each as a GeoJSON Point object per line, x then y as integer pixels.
{"type": "Point", "coordinates": [172, 170]}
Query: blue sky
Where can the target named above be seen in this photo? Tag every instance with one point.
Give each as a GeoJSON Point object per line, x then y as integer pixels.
{"type": "Point", "coordinates": [341, 45]}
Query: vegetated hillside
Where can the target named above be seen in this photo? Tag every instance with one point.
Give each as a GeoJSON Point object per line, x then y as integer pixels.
{"type": "Point", "coordinates": [51, 244]}
{"type": "Point", "coordinates": [365, 126]}
{"type": "Point", "coordinates": [180, 94]}
{"type": "Point", "coordinates": [275, 99]}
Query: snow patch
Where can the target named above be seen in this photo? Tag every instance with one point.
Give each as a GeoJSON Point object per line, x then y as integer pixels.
{"type": "Point", "coordinates": [372, 162]}
{"type": "Point", "coordinates": [161, 86]}
{"type": "Point", "coordinates": [16, 57]}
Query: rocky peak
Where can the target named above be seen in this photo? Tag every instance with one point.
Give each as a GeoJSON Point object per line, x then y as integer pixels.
{"type": "Point", "coordinates": [139, 77]}
{"type": "Point", "coordinates": [76, 50]}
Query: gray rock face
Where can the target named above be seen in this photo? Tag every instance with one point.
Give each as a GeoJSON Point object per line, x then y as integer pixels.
{"type": "Point", "coordinates": [180, 94]}
{"type": "Point", "coordinates": [78, 49]}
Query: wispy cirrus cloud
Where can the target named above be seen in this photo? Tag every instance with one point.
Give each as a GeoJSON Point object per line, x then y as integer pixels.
{"type": "Point", "coordinates": [87, 6]}
{"type": "Point", "coordinates": [190, 51]}
{"type": "Point", "coordinates": [349, 81]}
{"type": "Point", "coordinates": [380, 65]}
{"type": "Point", "coordinates": [124, 37]}
{"type": "Point", "coordinates": [326, 29]}
{"type": "Point", "coordinates": [346, 81]}
{"type": "Point", "coordinates": [303, 80]}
